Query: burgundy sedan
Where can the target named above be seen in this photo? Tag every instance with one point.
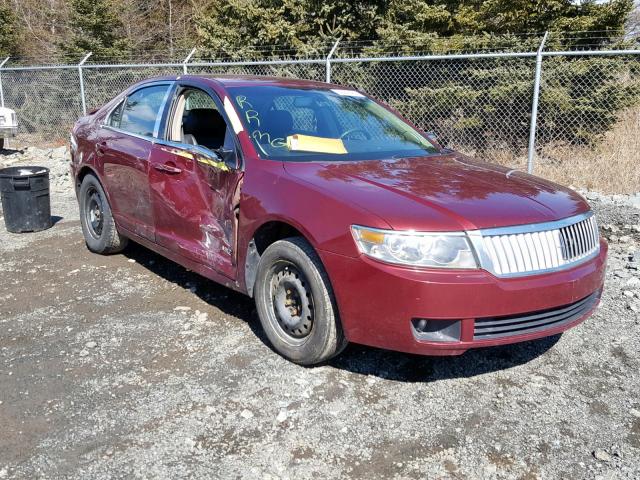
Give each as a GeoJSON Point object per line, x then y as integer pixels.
{"type": "Point", "coordinates": [341, 219]}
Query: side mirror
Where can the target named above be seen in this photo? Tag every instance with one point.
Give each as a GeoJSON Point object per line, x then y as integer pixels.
{"type": "Point", "coordinates": [217, 156]}
{"type": "Point", "coordinates": [229, 157]}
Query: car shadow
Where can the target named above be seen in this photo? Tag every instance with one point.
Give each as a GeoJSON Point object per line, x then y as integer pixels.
{"type": "Point", "coordinates": [404, 367]}
{"type": "Point", "coordinates": [358, 359]}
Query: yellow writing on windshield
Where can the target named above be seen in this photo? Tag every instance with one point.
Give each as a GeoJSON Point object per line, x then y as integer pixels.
{"type": "Point", "coordinates": [265, 137]}
{"type": "Point", "coordinates": [252, 115]}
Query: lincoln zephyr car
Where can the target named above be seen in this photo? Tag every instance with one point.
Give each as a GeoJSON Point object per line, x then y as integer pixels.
{"type": "Point", "coordinates": [342, 220]}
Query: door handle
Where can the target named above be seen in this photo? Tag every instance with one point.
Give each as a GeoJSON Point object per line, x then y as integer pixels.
{"type": "Point", "coordinates": [167, 168]}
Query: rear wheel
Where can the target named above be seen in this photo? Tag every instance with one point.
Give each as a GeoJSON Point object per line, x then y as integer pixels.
{"type": "Point", "coordinates": [295, 303]}
{"type": "Point", "coordinates": [98, 226]}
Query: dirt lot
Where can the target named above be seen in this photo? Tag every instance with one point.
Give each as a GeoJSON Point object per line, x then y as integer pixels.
{"type": "Point", "coordinates": [130, 366]}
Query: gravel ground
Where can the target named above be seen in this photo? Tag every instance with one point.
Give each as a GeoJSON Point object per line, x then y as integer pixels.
{"type": "Point", "coordinates": [131, 366]}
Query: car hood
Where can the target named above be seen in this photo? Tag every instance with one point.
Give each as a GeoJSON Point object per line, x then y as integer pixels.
{"type": "Point", "coordinates": [442, 192]}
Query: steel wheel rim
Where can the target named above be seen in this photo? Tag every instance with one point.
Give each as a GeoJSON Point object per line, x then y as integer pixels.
{"type": "Point", "coordinates": [291, 307]}
{"type": "Point", "coordinates": [94, 213]}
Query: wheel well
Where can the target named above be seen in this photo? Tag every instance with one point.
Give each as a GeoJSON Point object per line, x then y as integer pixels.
{"type": "Point", "coordinates": [267, 234]}
{"type": "Point", "coordinates": [271, 232]}
{"type": "Point", "coordinates": [84, 171]}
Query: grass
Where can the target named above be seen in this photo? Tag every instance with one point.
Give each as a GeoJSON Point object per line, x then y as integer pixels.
{"type": "Point", "coordinates": [612, 165]}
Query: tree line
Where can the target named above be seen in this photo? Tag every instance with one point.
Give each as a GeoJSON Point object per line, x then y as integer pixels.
{"type": "Point", "coordinates": [65, 29]}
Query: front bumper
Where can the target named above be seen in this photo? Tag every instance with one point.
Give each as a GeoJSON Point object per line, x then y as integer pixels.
{"type": "Point", "coordinates": [377, 302]}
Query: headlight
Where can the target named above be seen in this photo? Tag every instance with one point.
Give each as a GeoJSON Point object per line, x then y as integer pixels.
{"type": "Point", "coordinates": [438, 250]}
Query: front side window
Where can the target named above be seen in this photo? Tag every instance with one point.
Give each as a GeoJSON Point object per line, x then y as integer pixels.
{"type": "Point", "coordinates": [142, 108]}
{"type": "Point", "coordinates": [197, 121]}
{"type": "Point", "coordinates": [115, 116]}
{"type": "Point", "coordinates": [306, 124]}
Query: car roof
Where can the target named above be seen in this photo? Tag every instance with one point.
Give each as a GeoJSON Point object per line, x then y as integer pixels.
{"type": "Point", "coordinates": [246, 80]}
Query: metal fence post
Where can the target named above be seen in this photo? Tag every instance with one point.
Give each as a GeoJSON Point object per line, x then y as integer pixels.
{"type": "Point", "coordinates": [186, 60]}
{"type": "Point", "coordinates": [328, 64]}
{"type": "Point", "coordinates": [534, 105]}
{"type": "Point", "coordinates": [2, 89]}
{"type": "Point", "coordinates": [80, 77]}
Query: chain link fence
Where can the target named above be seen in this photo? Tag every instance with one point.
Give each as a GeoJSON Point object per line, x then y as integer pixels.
{"type": "Point", "coordinates": [481, 104]}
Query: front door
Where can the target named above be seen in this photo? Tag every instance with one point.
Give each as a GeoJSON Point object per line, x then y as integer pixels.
{"type": "Point", "coordinates": [193, 192]}
{"type": "Point", "coordinates": [125, 152]}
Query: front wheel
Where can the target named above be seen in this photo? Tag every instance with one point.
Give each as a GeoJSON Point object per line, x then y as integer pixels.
{"type": "Point", "coordinates": [98, 226]}
{"type": "Point", "coordinates": [295, 303]}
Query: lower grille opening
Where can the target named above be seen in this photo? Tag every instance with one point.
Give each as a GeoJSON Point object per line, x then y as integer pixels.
{"type": "Point", "coordinates": [436, 330]}
{"type": "Point", "coordinates": [505, 326]}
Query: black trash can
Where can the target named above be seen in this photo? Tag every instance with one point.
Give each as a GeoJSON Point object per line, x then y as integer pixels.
{"type": "Point", "coordinates": [25, 198]}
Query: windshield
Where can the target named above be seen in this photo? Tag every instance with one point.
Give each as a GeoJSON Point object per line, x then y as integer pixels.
{"type": "Point", "coordinates": [296, 124]}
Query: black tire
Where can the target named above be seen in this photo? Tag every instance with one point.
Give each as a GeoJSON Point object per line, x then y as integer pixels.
{"type": "Point", "coordinates": [98, 226]}
{"type": "Point", "coordinates": [291, 278]}
{"type": "Point", "coordinates": [1, 143]}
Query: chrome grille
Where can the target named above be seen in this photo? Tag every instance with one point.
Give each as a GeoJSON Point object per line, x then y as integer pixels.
{"type": "Point", "coordinates": [528, 249]}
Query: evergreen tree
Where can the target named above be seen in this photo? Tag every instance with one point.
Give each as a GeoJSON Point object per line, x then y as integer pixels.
{"type": "Point", "coordinates": [94, 27]}
{"type": "Point", "coordinates": [278, 27]}
{"type": "Point", "coordinates": [234, 26]}
{"type": "Point", "coordinates": [8, 32]}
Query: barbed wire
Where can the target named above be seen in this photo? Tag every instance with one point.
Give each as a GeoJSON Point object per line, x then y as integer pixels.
{"type": "Point", "coordinates": [353, 48]}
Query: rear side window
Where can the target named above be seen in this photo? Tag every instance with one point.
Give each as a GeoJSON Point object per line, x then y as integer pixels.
{"type": "Point", "coordinates": [142, 108]}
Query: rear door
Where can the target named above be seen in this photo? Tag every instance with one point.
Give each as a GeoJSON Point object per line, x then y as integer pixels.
{"type": "Point", "coordinates": [193, 190]}
{"type": "Point", "coordinates": [125, 151]}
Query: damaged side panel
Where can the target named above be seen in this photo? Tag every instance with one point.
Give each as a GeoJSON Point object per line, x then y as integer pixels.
{"type": "Point", "coordinates": [194, 209]}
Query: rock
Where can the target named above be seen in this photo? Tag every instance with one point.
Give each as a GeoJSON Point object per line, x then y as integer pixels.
{"type": "Point", "coordinates": [490, 470]}
{"type": "Point", "coordinates": [109, 452]}
{"type": "Point", "coordinates": [633, 282]}
{"type": "Point", "coordinates": [282, 416]}
{"type": "Point", "coordinates": [131, 260]}
{"type": "Point", "coordinates": [182, 309]}
{"type": "Point", "coordinates": [91, 344]}
{"type": "Point", "coordinates": [628, 293]}
{"type": "Point", "coordinates": [601, 455]}
{"type": "Point", "coordinates": [83, 353]}
{"type": "Point", "coordinates": [635, 200]}
{"type": "Point", "coordinates": [635, 412]}
{"type": "Point", "coordinates": [624, 239]}
{"type": "Point", "coordinates": [246, 414]}
{"type": "Point", "coordinates": [60, 152]}
{"type": "Point", "coordinates": [3, 473]}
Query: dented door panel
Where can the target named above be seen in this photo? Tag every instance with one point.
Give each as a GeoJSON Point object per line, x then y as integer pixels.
{"type": "Point", "coordinates": [192, 202]}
